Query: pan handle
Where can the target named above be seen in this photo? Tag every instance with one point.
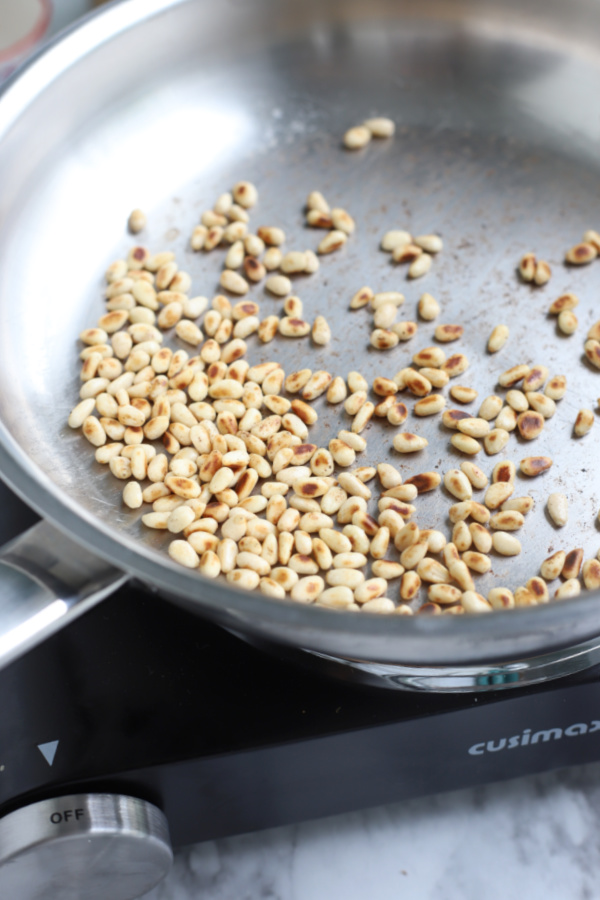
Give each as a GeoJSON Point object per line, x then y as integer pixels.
{"type": "Point", "coordinates": [46, 579]}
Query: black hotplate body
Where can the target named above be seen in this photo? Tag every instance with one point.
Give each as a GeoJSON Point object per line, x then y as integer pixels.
{"type": "Point", "coordinates": [140, 697]}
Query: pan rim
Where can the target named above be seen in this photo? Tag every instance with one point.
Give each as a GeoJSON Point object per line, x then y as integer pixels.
{"type": "Point", "coordinates": [38, 491]}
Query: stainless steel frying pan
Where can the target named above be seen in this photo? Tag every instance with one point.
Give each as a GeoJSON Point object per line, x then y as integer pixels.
{"type": "Point", "coordinates": [164, 104]}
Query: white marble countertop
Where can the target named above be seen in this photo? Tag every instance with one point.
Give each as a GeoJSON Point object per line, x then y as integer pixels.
{"type": "Point", "coordinates": [534, 838]}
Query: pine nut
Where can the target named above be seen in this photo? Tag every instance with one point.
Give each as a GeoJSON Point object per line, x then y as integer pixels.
{"type": "Point", "coordinates": [583, 422]}
{"type": "Point", "coordinates": [356, 441]}
{"type": "Point", "coordinates": [363, 417]}
{"type": "Point", "coordinates": [463, 394]}
{"type": "Point", "coordinates": [410, 586]}
{"type": "Point", "coordinates": [473, 426]}
{"type": "Point", "coordinates": [461, 536]}
{"type": "Point", "coordinates": [465, 444]}
{"type": "Point", "coordinates": [357, 137]}
{"type": "Point", "coordinates": [349, 578]}
{"type": "Point", "coordinates": [556, 387]}
{"type": "Point", "coordinates": [321, 332]}
{"type": "Point", "coordinates": [405, 330]}
{"type": "Point", "coordinates": [405, 442]}
{"type": "Point", "coordinates": [498, 493]}
{"type": "Point", "coordinates": [332, 241]}
{"type": "Point", "coordinates": [425, 481]}
{"type": "Point", "coordinates": [553, 565]}
{"type": "Point", "coordinates": [456, 365]}
{"type": "Point", "coordinates": [381, 605]}
{"type": "Point", "coordinates": [351, 560]}
{"type": "Point", "coordinates": [472, 602]}
{"type": "Point", "coordinates": [535, 378]}
{"type": "Point", "coordinates": [342, 453]}
{"type": "Point", "coordinates": [558, 509]}
{"type": "Point", "coordinates": [247, 579]}
{"type": "Point", "coordinates": [481, 537]}
{"type": "Point", "coordinates": [513, 375]}
{"type": "Point", "coordinates": [388, 475]}
{"type": "Point", "coordinates": [535, 465]}
{"type": "Point", "coordinates": [490, 407]}
{"type": "Point", "coordinates": [339, 597]}
{"type": "Point", "coordinates": [476, 561]}
{"type": "Point", "coordinates": [370, 590]}
{"type": "Point", "coordinates": [448, 333]}
{"type": "Point", "coordinates": [581, 254]}
{"type": "Point", "coordinates": [292, 327]}
{"type": "Point", "coordinates": [361, 298]}
{"type": "Point", "coordinates": [93, 431]}
{"type": "Point", "coordinates": [507, 520]}
{"type": "Point", "coordinates": [383, 339]}
{"type": "Point", "coordinates": [420, 266]}
{"type": "Point", "coordinates": [591, 574]}
{"type": "Point", "coordinates": [459, 571]}
{"type": "Point", "coordinates": [496, 441]}
{"type": "Point", "coordinates": [570, 588]}
{"type": "Point", "coordinates": [413, 554]}
{"type": "Point", "coordinates": [592, 352]}
{"type": "Point", "coordinates": [457, 483]}
{"type": "Point", "coordinates": [572, 564]}
{"type": "Point", "coordinates": [183, 553]}
{"type": "Point", "coordinates": [383, 298]}
{"type": "Point", "coordinates": [567, 322]}
{"type": "Point", "coordinates": [477, 478]}
{"type": "Point", "coordinates": [505, 543]}
{"type": "Point", "coordinates": [342, 220]}
{"type": "Point", "coordinates": [406, 253]}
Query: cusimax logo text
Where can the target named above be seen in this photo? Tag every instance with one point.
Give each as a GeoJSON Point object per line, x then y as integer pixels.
{"type": "Point", "coordinates": [527, 738]}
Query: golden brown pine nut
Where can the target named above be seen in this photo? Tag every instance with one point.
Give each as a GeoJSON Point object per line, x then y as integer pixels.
{"type": "Point", "coordinates": [405, 442]}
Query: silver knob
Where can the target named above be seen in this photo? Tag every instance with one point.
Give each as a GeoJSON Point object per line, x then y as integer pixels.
{"type": "Point", "coordinates": [96, 846]}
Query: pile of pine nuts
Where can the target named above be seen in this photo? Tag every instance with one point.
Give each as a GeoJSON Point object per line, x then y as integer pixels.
{"type": "Point", "coordinates": [220, 449]}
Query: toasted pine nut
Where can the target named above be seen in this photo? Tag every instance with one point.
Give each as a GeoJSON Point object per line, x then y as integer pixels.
{"type": "Point", "coordinates": [404, 330]}
{"type": "Point", "coordinates": [457, 483]}
{"type": "Point", "coordinates": [558, 509]}
{"type": "Point", "coordinates": [357, 137]}
{"type": "Point", "coordinates": [583, 422]}
{"type": "Point", "coordinates": [383, 339]}
{"type": "Point", "coordinates": [447, 333]}
{"type": "Point", "coordinates": [432, 571]}
{"type": "Point", "coordinates": [465, 444]}
{"type": "Point", "coordinates": [336, 392]}
{"type": "Point", "coordinates": [332, 241]}
{"type": "Point", "coordinates": [553, 565]}
{"type": "Point", "coordinates": [473, 426]}
{"type": "Point", "coordinates": [476, 561]}
{"type": "Point", "coordinates": [472, 602]}
{"type": "Point", "coordinates": [272, 259]}
{"type": "Point", "coordinates": [361, 298]}
{"type": "Point", "coordinates": [370, 590]}
{"type": "Point", "coordinates": [498, 493]}
{"type": "Point", "coordinates": [581, 254]}
{"type": "Point", "coordinates": [183, 553]}
{"type": "Point", "coordinates": [349, 578]}
{"type": "Point", "coordinates": [591, 574]}
{"type": "Point", "coordinates": [412, 555]}
{"type": "Point", "coordinates": [342, 220]}
{"type": "Point", "coordinates": [567, 322]}
{"type": "Point", "coordinates": [388, 475]}
{"type": "Point", "coordinates": [513, 375]}
{"type": "Point", "coordinates": [420, 266]}
{"type": "Point", "coordinates": [535, 378]}
{"type": "Point", "coordinates": [132, 495]}
{"type": "Point", "coordinates": [507, 520]}
{"type": "Point", "coordinates": [535, 465]}
{"type": "Point", "coordinates": [481, 538]}
{"type": "Point", "coordinates": [504, 471]}
{"type": "Point", "coordinates": [556, 387]}
{"type": "Point", "coordinates": [505, 543]}
{"type": "Point", "coordinates": [477, 478]}
{"type": "Point", "coordinates": [425, 481]}
{"type": "Point", "coordinates": [410, 585]}
{"type": "Point", "coordinates": [405, 442]}
{"type": "Point", "coordinates": [463, 394]}
{"type": "Point", "coordinates": [459, 571]}
{"type": "Point", "coordinates": [572, 564]}
{"type": "Point", "coordinates": [570, 588]}
{"type": "Point", "coordinates": [339, 597]}
{"type": "Point", "coordinates": [495, 441]}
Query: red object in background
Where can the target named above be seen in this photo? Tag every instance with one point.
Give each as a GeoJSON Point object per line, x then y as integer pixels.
{"type": "Point", "coordinates": [24, 40]}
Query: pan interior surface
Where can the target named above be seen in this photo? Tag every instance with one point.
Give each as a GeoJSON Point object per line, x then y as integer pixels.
{"type": "Point", "coordinates": [165, 106]}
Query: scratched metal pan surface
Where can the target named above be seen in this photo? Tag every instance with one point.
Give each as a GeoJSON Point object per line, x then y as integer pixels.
{"type": "Point", "coordinates": [165, 105]}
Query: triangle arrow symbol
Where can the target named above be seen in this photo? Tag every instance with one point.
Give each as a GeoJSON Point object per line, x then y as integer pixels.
{"type": "Point", "coordinates": [48, 751]}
